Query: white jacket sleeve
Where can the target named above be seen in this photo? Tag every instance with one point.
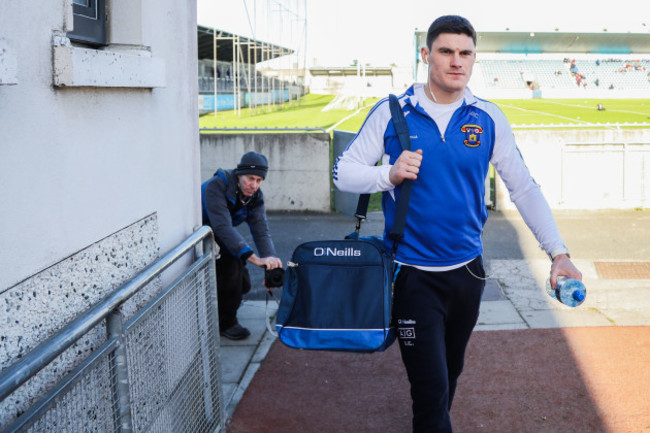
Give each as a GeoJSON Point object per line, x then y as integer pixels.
{"type": "Point", "coordinates": [524, 192]}
{"type": "Point", "coordinates": [356, 170]}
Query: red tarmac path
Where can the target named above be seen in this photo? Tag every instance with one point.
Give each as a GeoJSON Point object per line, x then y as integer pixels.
{"type": "Point", "coordinates": [570, 380]}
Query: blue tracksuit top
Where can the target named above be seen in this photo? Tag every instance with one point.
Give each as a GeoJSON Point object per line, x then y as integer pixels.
{"type": "Point", "coordinates": [446, 211]}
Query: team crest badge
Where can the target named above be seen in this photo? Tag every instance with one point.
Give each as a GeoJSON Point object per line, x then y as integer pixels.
{"type": "Point", "coordinates": [472, 135]}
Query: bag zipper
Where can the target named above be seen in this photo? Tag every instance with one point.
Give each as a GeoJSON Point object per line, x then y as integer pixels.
{"type": "Point", "coordinates": [355, 265]}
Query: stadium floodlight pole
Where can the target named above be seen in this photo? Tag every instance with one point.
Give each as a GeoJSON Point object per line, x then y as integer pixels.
{"type": "Point", "coordinates": [252, 103]}
{"type": "Point", "coordinates": [214, 66]}
{"type": "Point", "coordinates": [235, 73]}
{"type": "Point", "coordinates": [304, 57]}
{"type": "Point", "coordinates": [256, 46]}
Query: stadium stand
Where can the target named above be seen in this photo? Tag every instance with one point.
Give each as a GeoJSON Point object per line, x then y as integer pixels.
{"type": "Point", "coordinates": [237, 82]}
{"type": "Point", "coordinates": [249, 79]}
{"type": "Point", "coordinates": [557, 64]}
{"type": "Point", "coordinates": [559, 74]}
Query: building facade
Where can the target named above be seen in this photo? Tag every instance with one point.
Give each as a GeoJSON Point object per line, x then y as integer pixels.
{"type": "Point", "coordinates": [99, 154]}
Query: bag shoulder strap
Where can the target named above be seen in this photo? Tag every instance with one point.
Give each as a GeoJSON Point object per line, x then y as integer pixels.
{"type": "Point", "coordinates": [397, 233]}
{"type": "Point", "coordinates": [401, 128]}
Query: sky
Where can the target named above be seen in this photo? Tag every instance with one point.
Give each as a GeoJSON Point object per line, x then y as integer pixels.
{"type": "Point", "coordinates": [380, 32]}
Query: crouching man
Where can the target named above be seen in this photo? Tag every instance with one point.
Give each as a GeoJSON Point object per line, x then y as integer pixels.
{"type": "Point", "coordinates": [230, 198]}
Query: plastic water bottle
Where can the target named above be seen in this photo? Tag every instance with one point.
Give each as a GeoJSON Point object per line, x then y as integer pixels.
{"type": "Point", "coordinates": [568, 291]}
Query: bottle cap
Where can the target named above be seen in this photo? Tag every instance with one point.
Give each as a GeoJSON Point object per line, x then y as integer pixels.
{"type": "Point", "coordinates": [579, 295]}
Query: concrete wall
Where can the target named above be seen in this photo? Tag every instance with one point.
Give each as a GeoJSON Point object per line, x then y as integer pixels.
{"type": "Point", "coordinates": [344, 202]}
{"type": "Point", "coordinates": [299, 165]}
{"type": "Point", "coordinates": [93, 144]}
{"type": "Point", "coordinates": [586, 169]}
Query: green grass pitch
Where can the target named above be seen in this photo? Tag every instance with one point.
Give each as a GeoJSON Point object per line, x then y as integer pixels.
{"type": "Point", "coordinates": [575, 111]}
{"type": "Point", "coordinates": [308, 113]}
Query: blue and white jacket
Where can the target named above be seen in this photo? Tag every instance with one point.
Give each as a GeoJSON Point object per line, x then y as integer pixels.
{"type": "Point", "coordinates": [446, 211]}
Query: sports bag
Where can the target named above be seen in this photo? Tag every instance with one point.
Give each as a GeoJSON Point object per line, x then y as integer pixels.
{"type": "Point", "coordinates": [337, 294]}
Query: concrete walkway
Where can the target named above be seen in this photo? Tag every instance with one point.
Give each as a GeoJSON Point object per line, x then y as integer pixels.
{"type": "Point", "coordinates": [611, 248]}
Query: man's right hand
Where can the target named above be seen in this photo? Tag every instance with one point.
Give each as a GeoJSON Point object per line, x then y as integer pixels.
{"type": "Point", "coordinates": [407, 166]}
{"type": "Point", "coordinates": [266, 262]}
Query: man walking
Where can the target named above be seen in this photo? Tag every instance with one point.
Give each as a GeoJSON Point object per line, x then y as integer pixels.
{"type": "Point", "coordinates": [439, 269]}
{"type": "Point", "coordinates": [230, 198]}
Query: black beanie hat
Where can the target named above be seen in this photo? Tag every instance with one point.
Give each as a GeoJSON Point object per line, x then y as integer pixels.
{"type": "Point", "coordinates": [253, 163]}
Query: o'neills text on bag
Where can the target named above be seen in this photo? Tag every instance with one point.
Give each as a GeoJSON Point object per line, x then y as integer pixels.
{"type": "Point", "coordinates": [345, 252]}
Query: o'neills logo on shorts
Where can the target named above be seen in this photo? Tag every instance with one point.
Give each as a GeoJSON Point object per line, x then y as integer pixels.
{"type": "Point", "coordinates": [344, 252]}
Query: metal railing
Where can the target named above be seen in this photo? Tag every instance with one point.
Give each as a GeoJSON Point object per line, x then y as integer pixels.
{"type": "Point", "coordinates": [266, 129]}
{"type": "Point", "coordinates": [157, 372]}
{"type": "Point", "coordinates": [625, 180]}
{"type": "Point", "coordinates": [617, 125]}
{"type": "Point", "coordinates": [258, 84]}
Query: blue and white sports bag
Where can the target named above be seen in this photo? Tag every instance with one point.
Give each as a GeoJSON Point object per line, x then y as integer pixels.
{"type": "Point", "coordinates": [337, 296]}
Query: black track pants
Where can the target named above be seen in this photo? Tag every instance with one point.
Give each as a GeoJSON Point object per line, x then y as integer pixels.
{"type": "Point", "coordinates": [435, 313]}
{"type": "Point", "coordinates": [233, 281]}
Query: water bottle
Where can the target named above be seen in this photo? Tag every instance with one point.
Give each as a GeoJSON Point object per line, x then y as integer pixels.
{"type": "Point", "coordinates": [568, 291]}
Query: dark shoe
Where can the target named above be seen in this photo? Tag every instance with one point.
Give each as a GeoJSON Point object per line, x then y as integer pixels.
{"type": "Point", "coordinates": [237, 332]}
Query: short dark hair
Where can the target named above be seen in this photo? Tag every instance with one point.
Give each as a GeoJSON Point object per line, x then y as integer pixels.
{"type": "Point", "coordinates": [450, 24]}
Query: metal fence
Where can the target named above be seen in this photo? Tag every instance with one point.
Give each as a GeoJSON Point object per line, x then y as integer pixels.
{"type": "Point", "coordinates": [156, 372]}
{"type": "Point", "coordinates": [256, 84]}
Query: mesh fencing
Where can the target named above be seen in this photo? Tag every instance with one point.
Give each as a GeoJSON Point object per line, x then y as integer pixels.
{"type": "Point", "coordinates": [172, 354]}
{"type": "Point", "coordinates": [85, 406]}
{"type": "Point", "coordinates": [159, 372]}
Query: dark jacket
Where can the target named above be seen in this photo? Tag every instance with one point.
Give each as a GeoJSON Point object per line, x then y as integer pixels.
{"type": "Point", "coordinates": [223, 211]}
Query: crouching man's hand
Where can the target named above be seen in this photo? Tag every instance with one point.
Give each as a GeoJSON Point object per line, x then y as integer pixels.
{"type": "Point", "coordinates": [266, 262]}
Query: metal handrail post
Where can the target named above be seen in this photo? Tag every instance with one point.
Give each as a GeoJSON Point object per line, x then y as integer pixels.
{"type": "Point", "coordinates": [120, 376]}
{"type": "Point", "coordinates": [206, 248]}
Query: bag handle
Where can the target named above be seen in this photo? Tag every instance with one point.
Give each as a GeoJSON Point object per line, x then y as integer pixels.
{"type": "Point", "coordinates": [397, 232]}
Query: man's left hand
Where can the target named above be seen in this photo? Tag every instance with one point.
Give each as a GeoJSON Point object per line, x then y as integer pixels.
{"type": "Point", "coordinates": [563, 266]}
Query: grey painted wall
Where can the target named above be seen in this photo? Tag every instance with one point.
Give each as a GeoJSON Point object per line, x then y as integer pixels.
{"type": "Point", "coordinates": [82, 159]}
